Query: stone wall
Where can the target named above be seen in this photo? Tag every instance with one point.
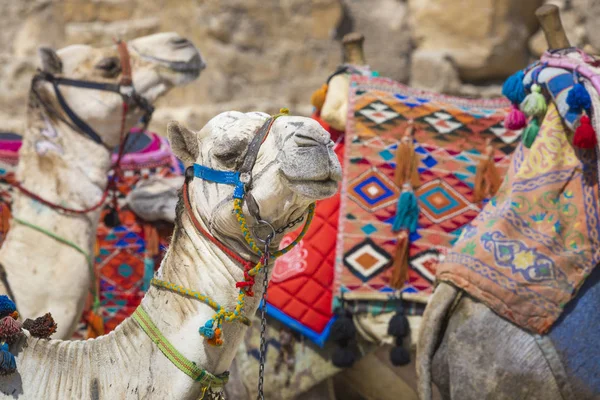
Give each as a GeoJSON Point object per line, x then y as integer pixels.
{"type": "Point", "coordinates": [265, 54]}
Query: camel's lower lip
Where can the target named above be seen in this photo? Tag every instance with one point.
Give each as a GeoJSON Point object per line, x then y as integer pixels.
{"type": "Point", "coordinates": [317, 189]}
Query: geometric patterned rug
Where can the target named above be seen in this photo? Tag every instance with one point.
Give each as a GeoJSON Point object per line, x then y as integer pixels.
{"type": "Point", "coordinates": [449, 137]}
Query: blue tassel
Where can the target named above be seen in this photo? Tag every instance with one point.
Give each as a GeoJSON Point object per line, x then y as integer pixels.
{"type": "Point", "coordinates": [578, 98]}
{"type": "Point", "coordinates": [8, 364]}
{"type": "Point", "coordinates": [207, 330]}
{"type": "Point", "coordinates": [148, 273]}
{"type": "Point", "coordinates": [513, 88]}
{"type": "Point", "coordinates": [407, 214]}
{"type": "Point", "coordinates": [7, 306]}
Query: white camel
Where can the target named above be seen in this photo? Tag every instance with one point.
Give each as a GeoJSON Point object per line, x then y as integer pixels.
{"type": "Point", "coordinates": [294, 167]}
{"type": "Point", "coordinates": [335, 106]}
{"type": "Point", "coordinates": [61, 164]}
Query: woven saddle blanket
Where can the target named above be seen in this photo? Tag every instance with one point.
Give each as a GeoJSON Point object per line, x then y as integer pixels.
{"type": "Point", "coordinates": [122, 260]}
{"type": "Point", "coordinates": [533, 246]}
{"type": "Point", "coordinates": [450, 135]}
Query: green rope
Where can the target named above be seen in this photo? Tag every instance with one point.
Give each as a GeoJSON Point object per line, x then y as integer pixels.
{"type": "Point", "coordinates": [62, 240]}
{"type": "Point", "coordinates": [188, 367]}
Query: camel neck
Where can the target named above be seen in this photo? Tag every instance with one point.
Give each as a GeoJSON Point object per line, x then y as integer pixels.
{"type": "Point", "coordinates": [60, 166]}
{"type": "Point", "coordinates": [194, 262]}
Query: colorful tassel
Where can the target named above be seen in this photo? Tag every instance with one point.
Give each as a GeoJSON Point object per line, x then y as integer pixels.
{"type": "Point", "coordinates": [534, 103]}
{"type": "Point", "coordinates": [7, 306]}
{"type": "Point", "coordinates": [407, 161]}
{"type": "Point", "coordinates": [95, 325]}
{"type": "Point", "coordinates": [207, 330]}
{"type": "Point", "coordinates": [8, 364]}
{"type": "Point", "coordinates": [487, 178]}
{"type": "Point", "coordinates": [216, 339]}
{"type": "Point", "coordinates": [578, 98]}
{"type": "Point", "coordinates": [530, 133]}
{"type": "Point", "coordinates": [513, 88]}
{"type": "Point", "coordinates": [407, 213]}
{"type": "Point", "coordinates": [400, 266]}
{"type": "Point", "coordinates": [10, 329]}
{"type": "Point", "coordinates": [318, 97]}
{"type": "Point", "coordinates": [585, 135]}
{"type": "Point", "coordinates": [6, 215]}
{"type": "Point", "coordinates": [42, 327]}
{"type": "Point", "coordinates": [515, 119]}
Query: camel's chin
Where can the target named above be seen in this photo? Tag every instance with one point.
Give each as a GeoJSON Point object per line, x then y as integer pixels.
{"type": "Point", "coordinates": [314, 190]}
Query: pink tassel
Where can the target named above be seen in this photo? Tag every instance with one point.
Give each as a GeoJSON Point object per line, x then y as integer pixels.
{"type": "Point", "coordinates": [515, 119]}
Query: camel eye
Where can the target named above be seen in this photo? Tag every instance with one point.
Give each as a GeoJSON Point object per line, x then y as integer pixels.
{"type": "Point", "coordinates": [109, 67]}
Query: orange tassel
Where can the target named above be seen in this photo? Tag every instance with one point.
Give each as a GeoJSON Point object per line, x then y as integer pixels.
{"type": "Point", "coordinates": [152, 240]}
{"type": "Point", "coordinates": [400, 266]}
{"type": "Point", "coordinates": [6, 215]}
{"type": "Point", "coordinates": [318, 97]}
{"type": "Point", "coordinates": [95, 325]}
{"type": "Point", "coordinates": [407, 161]}
{"type": "Point", "coordinates": [487, 178]}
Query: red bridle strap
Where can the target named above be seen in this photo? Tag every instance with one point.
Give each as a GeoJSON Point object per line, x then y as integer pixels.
{"type": "Point", "coordinates": [204, 232]}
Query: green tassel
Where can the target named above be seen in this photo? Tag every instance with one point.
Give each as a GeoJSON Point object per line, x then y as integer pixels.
{"type": "Point", "coordinates": [531, 132]}
{"type": "Point", "coordinates": [534, 104]}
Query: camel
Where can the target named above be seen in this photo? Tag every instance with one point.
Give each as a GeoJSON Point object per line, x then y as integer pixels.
{"type": "Point", "coordinates": [471, 349]}
{"type": "Point", "coordinates": [63, 164]}
{"type": "Point", "coordinates": [294, 167]}
{"type": "Point", "coordinates": [335, 104]}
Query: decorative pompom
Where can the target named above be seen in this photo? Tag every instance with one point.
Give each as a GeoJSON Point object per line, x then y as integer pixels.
{"type": "Point", "coordinates": [111, 219]}
{"type": "Point", "coordinates": [399, 356]}
{"type": "Point", "coordinates": [8, 365]}
{"type": "Point", "coordinates": [95, 324]}
{"type": "Point", "coordinates": [284, 110]}
{"type": "Point", "coordinates": [318, 97]}
{"type": "Point", "coordinates": [534, 104]}
{"type": "Point", "coordinates": [7, 306]}
{"type": "Point", "coordinates": [148, 273]}
{"type": "Point", "coordinates": [216, 339]}
{"type": "Point", "coordinates": [10, 329]}
{"type": "Point", "coordinates": [585, 135]}
{"type": "Point", "coordinates": [43, 327]}
{"type": "Point", "coordinates": [207, 330]}
{"type": "Point", "coordinates": [398, 326]}
{"type": "Point", "coordinates": [513, 88]}
{"type": "Point", "coordinates": [578, 98]}
{"type": "Point", "coordinates": [342, 328]}
{"type": "Point", "coordinates": [343, 357]}
{"type": "Point", "coordinates": [530, 133]}
{"type": "Point", "coordinates": [515, 119]}
{"type": "Point", "coordinates": [407, 212]}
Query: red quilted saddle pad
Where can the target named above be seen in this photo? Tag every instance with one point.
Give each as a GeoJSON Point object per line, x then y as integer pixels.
{"type": "Point", "coordinates": [300, 292]}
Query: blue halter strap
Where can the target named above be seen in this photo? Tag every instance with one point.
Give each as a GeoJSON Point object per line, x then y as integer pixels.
{"type": "Point", "coordinates": [226, 177]}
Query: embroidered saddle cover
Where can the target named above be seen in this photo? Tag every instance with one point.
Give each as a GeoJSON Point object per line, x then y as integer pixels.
{"type": "Point", "coordinates": [533, 245]}
{"type": "Point", "coordinates": [536, 242]}
{"type": "Point", "coordinates": [122, 259]}
{"type": "Point", "coordinates": [450, 134]}
{"type": "Point", "coordinates": [301, 287]}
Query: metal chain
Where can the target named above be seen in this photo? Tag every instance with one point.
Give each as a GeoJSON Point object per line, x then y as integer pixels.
{"type": "Point", "coordinates": [263, 321]}
{"type": "Point", "coordinates": [290, 224]}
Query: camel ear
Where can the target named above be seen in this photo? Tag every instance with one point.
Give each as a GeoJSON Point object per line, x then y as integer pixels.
{"type": "Point", "coordinates": [184, 142]}
{"type": "Point", "coordinates": [51, 62]}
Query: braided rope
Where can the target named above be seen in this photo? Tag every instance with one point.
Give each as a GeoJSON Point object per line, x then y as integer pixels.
{"type": "Point", "coordinates": [188, 367]}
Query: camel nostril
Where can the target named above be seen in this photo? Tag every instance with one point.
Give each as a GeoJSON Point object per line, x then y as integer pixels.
{"type": "Point", "coordinates": [311, 138]}
{"type": "Point", "coordinates": [180, 42]}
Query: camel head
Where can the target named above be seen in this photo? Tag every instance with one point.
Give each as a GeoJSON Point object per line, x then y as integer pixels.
{"type": "Point", "coordinates": [295, 166]}
{"type": "Point", "coordinates": [158, 63]}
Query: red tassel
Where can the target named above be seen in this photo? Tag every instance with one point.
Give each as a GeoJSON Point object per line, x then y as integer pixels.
{"type": "Point", "coordinates": [585, 135]}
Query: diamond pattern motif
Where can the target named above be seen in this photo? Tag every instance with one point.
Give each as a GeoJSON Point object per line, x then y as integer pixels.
{"type": "Point", "coordinates": [450, 135]}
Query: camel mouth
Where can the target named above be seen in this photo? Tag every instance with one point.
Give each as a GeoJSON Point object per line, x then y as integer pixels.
{"type": "Point", "coordinates": [191, 68]}
{"type": "Point", "coordinates": [315, 189]}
